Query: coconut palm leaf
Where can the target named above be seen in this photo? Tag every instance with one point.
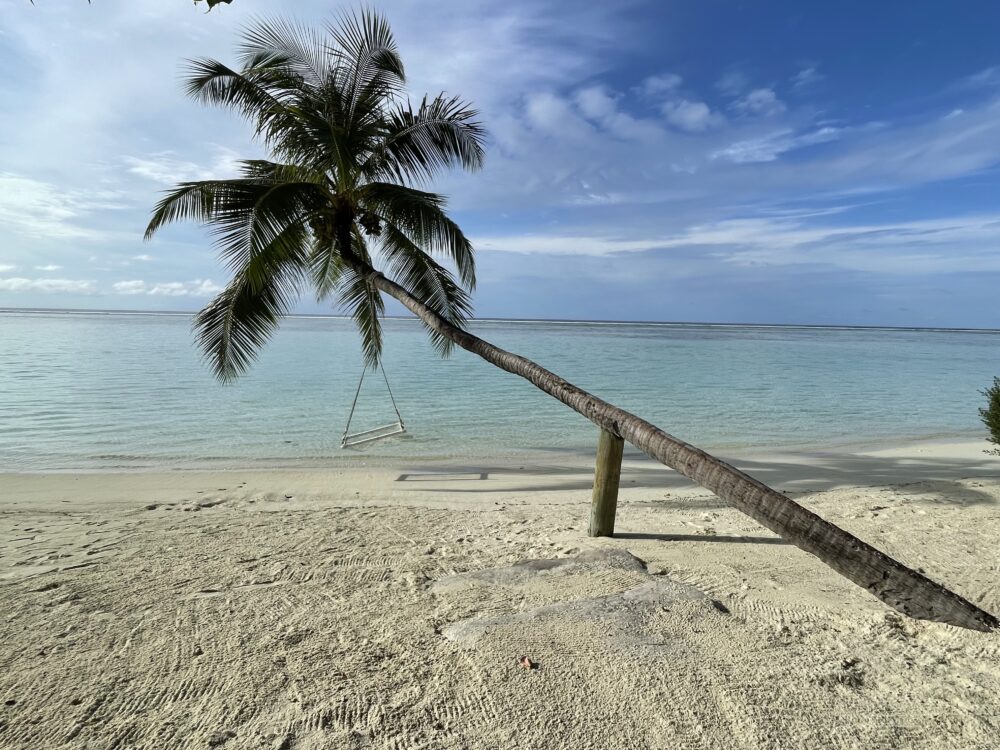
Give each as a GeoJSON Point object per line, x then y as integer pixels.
{"type": "Point", "coordinates": [420, 215]}
{"type": "Point", "coordinates": [428, 280]}
{"type": "Point", "coordinates": [365, 304]}
{"type": "Point", "coordinates": [441, 133]}
{"type": "Point", "coordinates": [237, 323]}
{"type": "Point", "coordinates": [369, 71]}
{"type": "Point", "coordinates": [297, 49]}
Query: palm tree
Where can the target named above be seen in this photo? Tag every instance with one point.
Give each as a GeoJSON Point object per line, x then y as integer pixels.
{"type": "Point", "coordinates": [350, 154]}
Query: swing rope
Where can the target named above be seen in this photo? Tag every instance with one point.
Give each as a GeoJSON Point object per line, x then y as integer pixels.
{"type": "Point", "coordinates": [378, 432]}
{"type": "Point", "coordinates": [399, 417]}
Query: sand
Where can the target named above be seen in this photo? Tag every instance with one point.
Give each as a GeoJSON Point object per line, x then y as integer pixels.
{"type": "Point", "coordinates": [388, 606]}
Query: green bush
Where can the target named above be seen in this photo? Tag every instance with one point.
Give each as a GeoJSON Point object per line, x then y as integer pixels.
{"type": "Point", "coordinates": [991, 414]}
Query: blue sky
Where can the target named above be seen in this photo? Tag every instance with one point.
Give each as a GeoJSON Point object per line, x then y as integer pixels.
{"type": "Point", "coordinates": [774, 162]}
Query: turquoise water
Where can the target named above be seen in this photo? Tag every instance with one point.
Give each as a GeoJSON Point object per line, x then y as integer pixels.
{"type": "Point", "coordinates": [111, 391]}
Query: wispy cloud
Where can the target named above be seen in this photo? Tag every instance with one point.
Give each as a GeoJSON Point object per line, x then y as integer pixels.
{"type": "Point", "coordinates": [771, 146]}
{"type": "Point", "coordinates": [759, 103]}
{"type": "Point", "coordinates": [48, 286]}
{"type": "Point", "coordinates": [952, 245]}
{"type": "Point", "coordinates": [35, 208]}
{"type": "Point", "coordinates": [553, 244]}
{"type": "Point", "coordinates": [986, 78]}
{"type": "Point", "coordinates": [166, 168]}
{"type": "Point", "coordinates": [806, 77]}
{"type": "Point", "coordinates": [659, 85]}
{"type": "Point", "coordinates": [793, 236]}
{"type": "Point", "coordinates": [130, 287]}
{"type": "Point", "coordinates": [691, 117]}
{"type": "Point", "coordinates": [601, 107]}
{"type": "Point", "coordinates": [196, 288]}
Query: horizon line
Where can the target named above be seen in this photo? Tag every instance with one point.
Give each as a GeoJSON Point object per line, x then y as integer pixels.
{"type": "Point", "coordinates": [556, 321]}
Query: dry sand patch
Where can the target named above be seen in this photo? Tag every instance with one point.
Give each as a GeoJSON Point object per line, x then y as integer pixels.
{"type": "Point", "coordinates": [301, 616]}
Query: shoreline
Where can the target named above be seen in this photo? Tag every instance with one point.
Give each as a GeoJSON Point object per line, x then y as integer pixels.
{"type": "Point", "coordinates": [965, 444]}
{"type": "Point", "coordinates": [562, 476]}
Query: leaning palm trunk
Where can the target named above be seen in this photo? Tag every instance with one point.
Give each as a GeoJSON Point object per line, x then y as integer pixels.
{"type": "Point", "coordinates": [351, 147]}
{"type": "Point", "coordinates": [902, 588]}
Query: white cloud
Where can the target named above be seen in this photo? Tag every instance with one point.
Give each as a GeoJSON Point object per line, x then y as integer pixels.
{"type": "Point", "coordinates": [788, 236]}
{"type": "Point", "coordinates": [48, 286]}
{"type": "Point", "coordinates": [691, 117]}
{"type": "Point", "coordinates": [770, 147]}
{"type": "Point", "coordinates": [954, 244]}
{"type": "Point", "coordinates": [984, 78]}
{"type": "Point", "coordinates": [50, 267]}
{"type": "Point", "coordinates": [33, 208]}
{"type": "Point", "coordinates": [561, 244]}
{"type": "Point", "coordinates": [595, 102]}
{"type": "Point", "coordinates": [205, 288]}
{"type": "Point", "coordinates": [196, 288]}
{"type": "Point", "coordinates": [4, 268]}
{"type": "Point", "coordinates": [760, 103]}
{"type": "Point", "coordinates": [601, 107]}
{"type": "Point", "coordinates": [791, 237]}
{"type": "Point", "coordinates": [552, 115]}
{"type": "Point", "coordinates": [144, 258]}
{"type": "Point", "coordinates": [806, 77]}
{"type": "Point", "coordinates": [658, 85]}
{"type": "Point", "coordinates": [129, 287]}
{"type": "Point", "coordinates": [170, 289]}
{"type": "Point", "coordinates": [938, 148]}
{"type": "Point", "coordinates": [166, 168]}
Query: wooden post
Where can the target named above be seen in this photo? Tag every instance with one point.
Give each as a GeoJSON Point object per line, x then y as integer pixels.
{"type": "Point", "coordinates": [607, 474]}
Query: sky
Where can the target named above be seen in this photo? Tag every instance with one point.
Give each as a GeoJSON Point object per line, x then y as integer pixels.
{"type": "Point", "coordinates": [714, 161]}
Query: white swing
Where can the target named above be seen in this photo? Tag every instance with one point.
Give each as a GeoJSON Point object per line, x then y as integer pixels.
{"type": "Point", "coordinates": [376, 433]}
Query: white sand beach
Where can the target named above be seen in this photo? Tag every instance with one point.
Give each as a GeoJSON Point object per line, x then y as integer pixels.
{"type": "Point", "coordinates": [387, 606]}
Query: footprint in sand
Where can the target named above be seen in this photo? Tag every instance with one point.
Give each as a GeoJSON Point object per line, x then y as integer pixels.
{"type": "Point", "coordinates": [212, 593]}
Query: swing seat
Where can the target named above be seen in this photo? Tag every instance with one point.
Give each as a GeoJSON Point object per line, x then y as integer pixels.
{"type": "Point", "coordinates": [350, 439]}
{"type": "Point", "coordinates": [376, 433]}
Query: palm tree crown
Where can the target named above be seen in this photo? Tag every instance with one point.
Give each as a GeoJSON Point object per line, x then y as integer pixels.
{"type": "Point", "coordinates": [349, 155]}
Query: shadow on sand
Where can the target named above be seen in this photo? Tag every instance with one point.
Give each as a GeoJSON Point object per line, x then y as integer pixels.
{"type": "Point", "coordinates": [643, 536]}
{"type": "Point", "coordinates": [795, 475]}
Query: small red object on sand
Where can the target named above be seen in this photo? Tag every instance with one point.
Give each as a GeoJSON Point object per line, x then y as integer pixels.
{"type": "Point", "coordinates": [527, 663]}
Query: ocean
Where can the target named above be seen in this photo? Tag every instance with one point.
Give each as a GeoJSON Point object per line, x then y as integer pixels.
{"type": "Point", "coordinates": [116, 391]}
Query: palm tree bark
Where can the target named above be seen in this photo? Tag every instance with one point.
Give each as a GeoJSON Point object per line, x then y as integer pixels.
{"type": "Point", "coordinates": [902, 588]}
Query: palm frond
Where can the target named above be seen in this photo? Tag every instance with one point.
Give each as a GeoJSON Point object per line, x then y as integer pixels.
{"type": "Point", "coordinates": [327, 267]}
{"type": "Point", "coordinates": [420, 215]}
{"type": "Point", "coordinates": [263, 95]}
{"type": "Point", "coordinates": [275, 173]}
{"type": "Point", "coordinates": [233, 327]}
{"type": "Point", "coordinates": [300, 49]}
{"type": "Point", "coordinates": [367, 55]}
{"type": "Point", "coordinates": [431, 282]}
{"type": "Point", "coordinates": [246, 222]}
{"type": "Point", "coordinates": [245, 215]}
{"type": "Point", "coordinates": [364, 303]}
{"type": "Point", "coordinates": [443, 132]}
{"type": "Point", "coordinates": [188, 201]}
